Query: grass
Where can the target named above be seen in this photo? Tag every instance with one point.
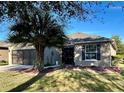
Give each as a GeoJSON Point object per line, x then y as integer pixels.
{"type": "Point", "coordinates": [10, 80]}
{"type": "Point", "coordinates": [63, 80]}
{"type": "Point", "coordinates": [121, 65]}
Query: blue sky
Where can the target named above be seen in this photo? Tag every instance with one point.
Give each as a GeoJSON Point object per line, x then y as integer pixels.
{"type": "Point", "coordinates": [113, 24]}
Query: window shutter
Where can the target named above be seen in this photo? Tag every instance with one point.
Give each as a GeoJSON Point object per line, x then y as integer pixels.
{"type": "Point", "coordinates": [83, 52]}
{"type": "Point", "coordinates": [98, 52]}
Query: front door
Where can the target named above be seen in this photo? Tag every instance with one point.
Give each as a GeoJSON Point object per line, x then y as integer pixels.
{"type": "Point", "coordinates": [68, 55]}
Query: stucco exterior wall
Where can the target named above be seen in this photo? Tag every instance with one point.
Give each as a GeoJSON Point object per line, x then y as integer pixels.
{"type": "Point", "coordinates": [4, 54]}
{"type": "Point", "coordinates": [52, 56]}
{"type": "Point", "coordinates": [113, 51]}
{"type": "Point", "coordinates": [28, 56]}
{"type": "Point", "coordinates": [105, 56]}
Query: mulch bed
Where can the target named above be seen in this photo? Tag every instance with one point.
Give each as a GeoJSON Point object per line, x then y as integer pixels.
{"type": "Point", "coordinates": [105, 69]}
{"type": "Point", "coordinates": [32, 71]}
{"type": "Point", "coordinates": [97, 69]}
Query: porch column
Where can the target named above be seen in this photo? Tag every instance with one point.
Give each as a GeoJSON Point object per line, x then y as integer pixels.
{"type": "Point", "coordinates": [10, 56]}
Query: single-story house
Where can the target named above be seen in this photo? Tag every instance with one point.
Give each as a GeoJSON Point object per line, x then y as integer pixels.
{"type": "Point", "coordinates": [81, 49]}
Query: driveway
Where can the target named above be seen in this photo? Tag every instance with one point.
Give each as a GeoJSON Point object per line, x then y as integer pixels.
{"type": "Point", "coordinates": [14, 67]}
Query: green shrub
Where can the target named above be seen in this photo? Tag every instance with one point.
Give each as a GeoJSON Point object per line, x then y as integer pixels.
{"type": "Point", "coordinates": [48, 64]}
{"type": "Point", "coordinates": [117, 59]}
{"type": "Point", "coordinates": [3, 62]}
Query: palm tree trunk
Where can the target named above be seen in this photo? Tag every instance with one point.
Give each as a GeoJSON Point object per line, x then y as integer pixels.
{"type": "Point", "coordinates": [39, 57]}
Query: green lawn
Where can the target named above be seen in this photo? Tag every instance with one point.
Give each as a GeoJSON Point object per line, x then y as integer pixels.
{"type": "Point", "coordinates": [121, 65]}
{"type": "Point", "coordinates": [63, 80]}
{"type": "Point", "coordinates": [10, 80]}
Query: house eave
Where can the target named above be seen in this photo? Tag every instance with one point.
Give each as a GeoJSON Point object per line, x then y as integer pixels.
{"type": "Point", "coordinates": [87, 42]}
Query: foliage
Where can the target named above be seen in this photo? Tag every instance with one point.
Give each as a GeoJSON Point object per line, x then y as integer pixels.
{"type": "Point", "coordinates": [120, 50]}
{"type": "Point", "coordinates": [48, 64]}
{"type": "Point", "coordinates": [41, 30]}
{"type": "Point", "coordinates": [63, 10]}
{"type": "Point", "coordinates": [3, 62]}
{"type": "Point", "coordinates": [117, 59]}
{"type": "Point", "coordinates": [120, 44]}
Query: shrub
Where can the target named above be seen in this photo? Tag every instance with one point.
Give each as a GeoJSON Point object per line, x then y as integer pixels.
{"type": "Point", "coordinates": [117, 59]}
{"type": "Point", "coordinates": [48, 64]}
{"type": "Point", "coordinates": [3, 61]}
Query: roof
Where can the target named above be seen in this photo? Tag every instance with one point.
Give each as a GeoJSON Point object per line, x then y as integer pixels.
{"type": "Point", "coordinates": [4, 44]}
{"type": "Point", "coordinates": [85, 38]}
{"type": "Point", "coordinates": [22, 46]}
{"type": "Point", "coordinates": [76, 38]}
{"type": "Point", "coordinates": [80, 38]}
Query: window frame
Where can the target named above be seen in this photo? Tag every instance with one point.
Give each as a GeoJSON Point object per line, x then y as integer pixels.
{"type": "Point", "coordinates": [91, 52]}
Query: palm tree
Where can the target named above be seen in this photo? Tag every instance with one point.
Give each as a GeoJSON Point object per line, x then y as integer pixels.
{"type": "Point", "coordinates": [39, 29]}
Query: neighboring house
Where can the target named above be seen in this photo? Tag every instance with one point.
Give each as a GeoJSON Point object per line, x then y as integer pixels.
{"type": "Point", "coordinates": [81, 49]}
{"type": "Point", "coordinates": [4, 51]}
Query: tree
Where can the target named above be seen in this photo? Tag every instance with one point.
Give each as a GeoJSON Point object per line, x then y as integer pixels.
{"type": "Point", "coordinates": [41, 30]}
{"type": "Point", "coordinates": [119, 43]}
{"type": "Point", "coordinates": [41, 23]}
{"type": "Point", "coordinates": [63, 10]}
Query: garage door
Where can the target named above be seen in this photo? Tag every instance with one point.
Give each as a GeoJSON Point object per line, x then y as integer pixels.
{"type": "Point", "coordinates": [23, 57]}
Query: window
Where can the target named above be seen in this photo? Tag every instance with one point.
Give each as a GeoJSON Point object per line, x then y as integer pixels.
{"type": "Point", "coordinates": [91, 52]}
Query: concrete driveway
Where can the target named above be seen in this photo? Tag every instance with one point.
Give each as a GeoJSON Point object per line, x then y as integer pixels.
{"type": "Point", "coordinates": [14, 67]}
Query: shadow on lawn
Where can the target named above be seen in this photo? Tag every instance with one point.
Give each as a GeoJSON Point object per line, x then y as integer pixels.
{"type": "Point", "coordinates": [26, 84]}
{"type": "Point", "coordinates": [70, 80]}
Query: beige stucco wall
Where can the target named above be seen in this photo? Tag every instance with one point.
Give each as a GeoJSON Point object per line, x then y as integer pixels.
{"type": "Point", "coordinates": [105, 56]}
{"type": "Point", "coordinates": [51, 55]}
{"type": "Point", "coordinates": [4, 54]}
{"type": "Point", "coordinates": [113, 51]}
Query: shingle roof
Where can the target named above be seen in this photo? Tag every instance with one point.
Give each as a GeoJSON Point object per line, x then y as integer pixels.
{"type": "Point", "coordinates": [75, 38]}
{"type": "Point", "coordinates": [4, 44]}
{"type": "Point", "coordinates": [22, 46]}
{"type": "Point", "coordinates": [85, 38]}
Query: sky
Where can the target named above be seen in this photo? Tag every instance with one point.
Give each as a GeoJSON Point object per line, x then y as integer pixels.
{"type": "Point", "coordinates": [113, 24]}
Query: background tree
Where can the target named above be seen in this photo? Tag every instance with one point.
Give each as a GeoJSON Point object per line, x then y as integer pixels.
{"type": "Point", "coordinates": [119, 43]}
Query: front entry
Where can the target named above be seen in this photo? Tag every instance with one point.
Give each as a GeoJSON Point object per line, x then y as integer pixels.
{"type": "Point", "coordinates": [68, 55]}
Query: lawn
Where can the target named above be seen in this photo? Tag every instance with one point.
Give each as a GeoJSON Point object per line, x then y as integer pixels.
{"type": "Point", "coordinates": [10, 80]}
{"type": "Point", "coordinates": [73, 79]}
